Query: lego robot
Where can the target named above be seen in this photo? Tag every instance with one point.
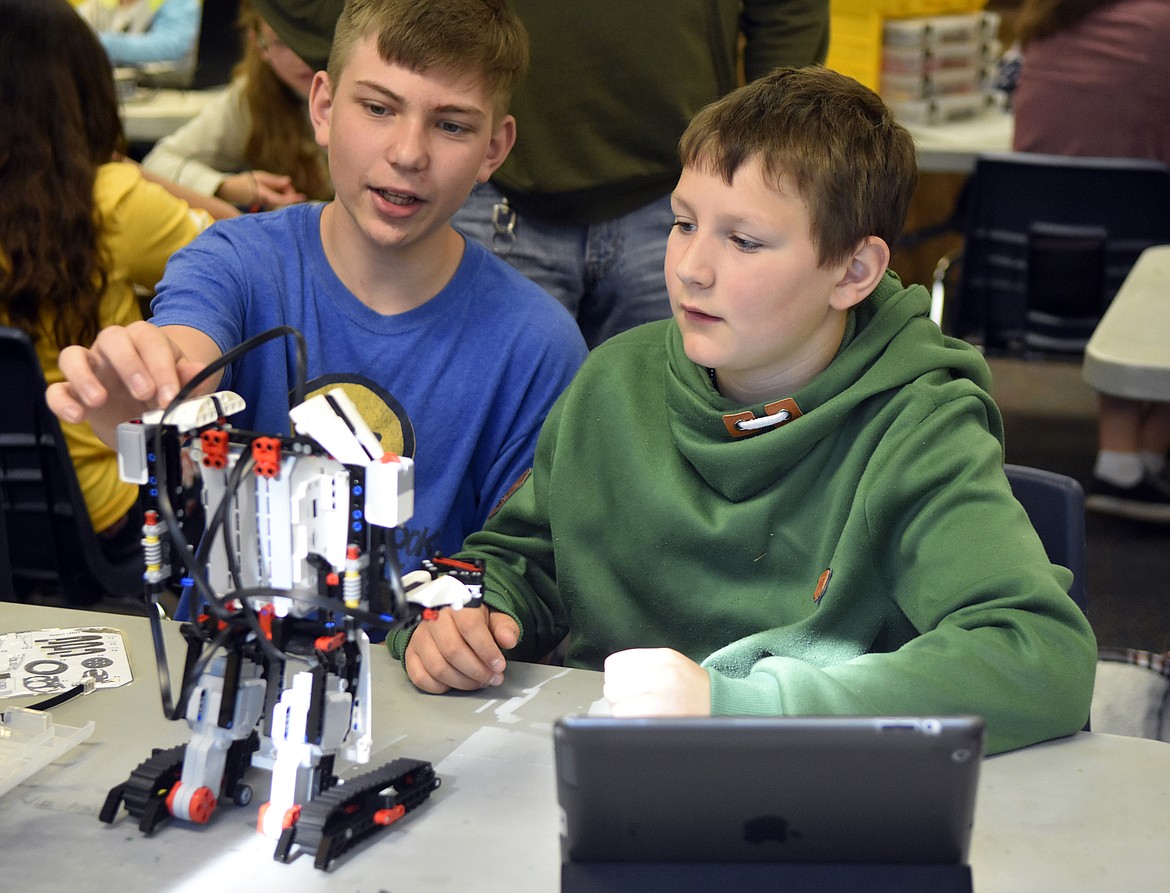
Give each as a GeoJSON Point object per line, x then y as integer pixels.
{"type": "Point", "coordinates": [295, 560]}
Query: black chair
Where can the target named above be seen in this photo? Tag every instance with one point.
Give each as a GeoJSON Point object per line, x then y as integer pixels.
{"type": "Point", "coordinates": [1055, 504]}
{"type": "Point", "coordinates": [211, 60]}
{"type": "Point", "coordinates": [1047, 242]}
{"type": "Point", "coordinates": [48, 546]}
{"type": "Point", "coordinates": [219, 44]}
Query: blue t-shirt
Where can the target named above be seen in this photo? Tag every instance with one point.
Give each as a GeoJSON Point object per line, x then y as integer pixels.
{"type": "Point", "coordinates": [461, 384]}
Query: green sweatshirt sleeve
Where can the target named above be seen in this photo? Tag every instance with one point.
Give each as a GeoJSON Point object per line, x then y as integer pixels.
{"type": "Point", "coordinates": [520, 569]}
{"type": "Point", "coordinates": [997, 633]}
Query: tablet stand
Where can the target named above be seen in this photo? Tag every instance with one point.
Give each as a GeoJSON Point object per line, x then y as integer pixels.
{"type": "Point", "coordinates": [762, 877]}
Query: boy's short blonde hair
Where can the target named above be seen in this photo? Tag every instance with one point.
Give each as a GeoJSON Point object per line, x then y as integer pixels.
{"type": "Point", "coordinates": [483, 38]}
{"type": "Point", "coordinates": [853, 164]}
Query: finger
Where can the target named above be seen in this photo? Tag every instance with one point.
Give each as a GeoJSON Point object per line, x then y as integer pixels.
{"type": "Point", "coordinates": [289, 198]}
{"type": "Point", "coordinates": [634, 673]}
{"type": "Point", "coordinates": [143, 358]}
{"type": "Point", "coordinates": [418, 674]}
{"type": "Point", "coordinates": [632, 663]}
{"type": "Point", "coordinates": [82, 388]}
{"type": "Point", "coordinates": [273, 181]}
{"type": "Point", "coordinates": [442, 646]}
{"type": "Point", "coordinates": [645, 704]}
{"type": "Point", "coordinates": [63, 402]}
{"type": "Point", "coordinates": [430, 673]}
{"type": "Point", "coordinates": [188, 369]}
{"type": "Point", "coordinates": [267, 198]}
{"type": "Point", "coordinates": [505, 631]}
{"type": "Point", "coordinates": [619, 688]}
{"type": "Point", "coordinates": [163, 359]}
{"type": "Point", "coordinates": [475, 627]}
{"type": "Point", "coordinates": [433, 669]}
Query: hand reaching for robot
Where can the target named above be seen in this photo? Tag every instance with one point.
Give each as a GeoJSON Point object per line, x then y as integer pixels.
{"type": "Point", "coordinates": [127, 370]}
{"type": "Point", "coordinates": [460, 650]}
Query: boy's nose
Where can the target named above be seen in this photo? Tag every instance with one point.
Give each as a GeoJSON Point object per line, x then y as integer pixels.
{"type": "Point", "coordinates": [408, 147]}
{"type": "Point", "coordinates": [692, 265]}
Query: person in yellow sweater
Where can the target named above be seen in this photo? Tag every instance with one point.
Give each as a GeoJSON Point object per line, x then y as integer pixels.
{"type": "Point", "coordinates": [79, 230]}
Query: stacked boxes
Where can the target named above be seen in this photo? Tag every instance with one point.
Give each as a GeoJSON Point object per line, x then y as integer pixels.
{"type": "Point", "coordinates": [941, 68]}
{"type": "Point", "coordinates": [929, 68]}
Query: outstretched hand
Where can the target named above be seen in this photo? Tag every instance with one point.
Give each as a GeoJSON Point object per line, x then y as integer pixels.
{"type": "Point", "coordinates": [460, 649]}
{"type": "Point", "coordinates": [127, 371]}
{"type": "Point", "coordinates": [656, 682]}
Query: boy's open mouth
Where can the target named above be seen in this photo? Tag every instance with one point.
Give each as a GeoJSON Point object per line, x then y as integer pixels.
{"type": "Point", "coordinates": [398, 198]}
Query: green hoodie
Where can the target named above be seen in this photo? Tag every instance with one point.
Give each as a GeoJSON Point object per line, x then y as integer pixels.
{"type": "Point", "coordinates": [866, 557]}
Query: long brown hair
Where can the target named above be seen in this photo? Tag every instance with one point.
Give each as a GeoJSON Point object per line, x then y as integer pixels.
{"type": "Point", "coordinates": [281, 139]}
{"type": "Point", "coordinates": [1042, 18]}
{"type": "Point", "coordinates": [61, 123]}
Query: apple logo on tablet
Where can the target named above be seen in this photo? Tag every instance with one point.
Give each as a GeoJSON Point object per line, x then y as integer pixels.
{"type": "Point", "coordinates": [768, 827]}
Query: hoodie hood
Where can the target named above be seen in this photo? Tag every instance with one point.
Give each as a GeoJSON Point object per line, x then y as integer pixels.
{"type": "Point", "coordinates": [866, 379]}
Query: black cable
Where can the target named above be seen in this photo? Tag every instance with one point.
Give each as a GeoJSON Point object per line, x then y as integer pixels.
{"type": "Point", "coordinates": [58, 699]}
{"type": "Point", "coordinates": [174, 529]}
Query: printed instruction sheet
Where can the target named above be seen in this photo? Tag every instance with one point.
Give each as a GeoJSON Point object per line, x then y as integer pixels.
{"type": "Point", "coordinates": [48, 661]}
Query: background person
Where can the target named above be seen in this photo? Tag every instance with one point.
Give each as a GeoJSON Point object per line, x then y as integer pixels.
{"type": "Point", "coordinates": [140, 32]}
{"type": "Point", "coordinates": [1094, 80]}
{"type": "Point", "coordinates": [79, 231]}
{"type": "Point", "coordinates": [253, 145]}
{"type": "Point", "coordinates": [582, 205]}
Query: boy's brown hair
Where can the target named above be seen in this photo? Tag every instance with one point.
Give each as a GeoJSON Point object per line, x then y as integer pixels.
{"type": "Point", "coordinates": [483, 38]}
{"type": "Point", "coordinates": [852, 162]}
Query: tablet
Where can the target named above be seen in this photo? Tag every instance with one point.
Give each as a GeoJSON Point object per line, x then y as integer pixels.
{"type": "Point", "coordinates": [768, 789]}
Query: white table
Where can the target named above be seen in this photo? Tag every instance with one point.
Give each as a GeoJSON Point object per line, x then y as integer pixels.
{"type": "Point", "coordinates": [948, 148]}
{"type": "Point", "coordinates": [154, 113]}
{"type": "Point", "coordinates": [1081, 814]}
{"type": "Point", "coordinates": [1129, 353]}
{"type": "Point", "coordinates": [952, 147]}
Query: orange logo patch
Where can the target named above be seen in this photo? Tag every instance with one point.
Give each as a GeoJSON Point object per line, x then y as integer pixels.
{"type": "Point", "coordinates": [822, 585]}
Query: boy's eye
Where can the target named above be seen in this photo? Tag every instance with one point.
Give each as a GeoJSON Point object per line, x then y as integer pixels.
{"type": "Point", "coordinates": [453, 128]}
{"type": "Point", "coordinates": [683, 226]}
{"type": "Point", "coordinates": [376, 110]}
{"type": "Point", "coordinates": [745, 244]}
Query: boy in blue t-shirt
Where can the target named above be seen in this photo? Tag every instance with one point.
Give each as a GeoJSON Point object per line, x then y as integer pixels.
{"type": "Point", "coordinates": [452, 357]}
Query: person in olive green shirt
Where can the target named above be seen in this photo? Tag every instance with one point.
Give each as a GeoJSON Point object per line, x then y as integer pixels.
{"type": "Point", "coordinates": [582, 206]}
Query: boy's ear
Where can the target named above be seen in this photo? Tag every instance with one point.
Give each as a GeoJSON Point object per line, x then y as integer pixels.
{"type": "Point", "coordinates": [863, 272]}
{"type": "Point", "coordinates": [320, 105]}
{"type": "Point", "coordinates": [502, 141]}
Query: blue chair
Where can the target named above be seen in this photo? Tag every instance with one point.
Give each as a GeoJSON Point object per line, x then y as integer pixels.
{"type": "Point", "coordinates": [1048, 240]}
{"type": "Point", "coordinates": [1055, 504]}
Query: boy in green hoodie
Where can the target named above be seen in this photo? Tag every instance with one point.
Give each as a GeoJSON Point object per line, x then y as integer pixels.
{"type": "Point", "coordinates": [789, 498]}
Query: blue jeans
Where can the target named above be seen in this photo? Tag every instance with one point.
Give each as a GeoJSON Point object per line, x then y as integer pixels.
{"type": "Point", "coordinates": [608, 275]}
